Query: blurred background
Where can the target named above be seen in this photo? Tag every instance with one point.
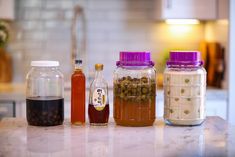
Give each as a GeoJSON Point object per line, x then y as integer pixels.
{"type": "Point", "coordinates": [97, 30]}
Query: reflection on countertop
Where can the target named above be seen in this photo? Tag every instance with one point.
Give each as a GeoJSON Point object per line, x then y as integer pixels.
{"type": "Point", "coordinates": [213, 138]}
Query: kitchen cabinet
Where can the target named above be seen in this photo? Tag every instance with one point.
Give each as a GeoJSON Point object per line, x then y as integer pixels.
{"type": "Point", "coordinates": [7, 109]}
{"type": "Point", "coordinates": [186, 9]}
{"type": "Point", "coordinates": [223, 9]}
{"type": "Point", "coordinates": [7, 9]}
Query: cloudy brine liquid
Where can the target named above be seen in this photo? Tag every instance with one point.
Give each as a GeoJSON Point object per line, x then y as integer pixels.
{"type": "Point", "coordinates": [134, 101]}
{"type": "Point", "coordinates": [184, 97]}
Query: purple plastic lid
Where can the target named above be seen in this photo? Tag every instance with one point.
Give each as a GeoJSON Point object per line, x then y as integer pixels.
{"type": "Point", "coordinates": [134, 59]}
{"type": "Point", "coordinates": [184, 58]}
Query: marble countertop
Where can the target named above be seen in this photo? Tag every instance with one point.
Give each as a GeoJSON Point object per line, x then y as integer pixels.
{"type": "Point", "coordinates": [213, 138]}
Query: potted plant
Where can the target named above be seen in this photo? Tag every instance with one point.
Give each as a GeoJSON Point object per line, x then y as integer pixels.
{"type": "Point", "coordinates": [5, 58]}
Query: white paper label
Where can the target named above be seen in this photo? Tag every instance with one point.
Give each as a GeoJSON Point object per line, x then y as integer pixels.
{"type": "Point", "coordinates": [99, 99]}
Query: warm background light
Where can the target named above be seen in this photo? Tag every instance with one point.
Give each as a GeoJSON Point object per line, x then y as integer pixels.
{"type": "Point", "coordinates": [182, 21]}
{"type": "Point", "coordinates": [180, 29]}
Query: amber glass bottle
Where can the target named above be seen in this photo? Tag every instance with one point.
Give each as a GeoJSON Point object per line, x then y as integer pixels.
{"type": "Point", "coordinates": [78, 92]}
{"type": "Point", "coordinates": [98, 109]}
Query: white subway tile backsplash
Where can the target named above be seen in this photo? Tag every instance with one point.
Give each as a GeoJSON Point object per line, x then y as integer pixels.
{"type": "Point", "coordinates": [43, 28]}
{"type": "Point", "coordinates": [57, 34]}
{"type": "Point", "coordinates": [95, 15]}
{"type": "Point", "coordinates": [106, 4]}
{"type": "Point", "coordinates": [56, 47]}
{"type": "Point", "coordinates": [57, 24]}
{"type": "Point", "coordinates": [129, 15]}
{"type": "Point", "coordinates": [30, 25]}
{"type": "Point", "coordinates": [128, 36]}
{"type": "Point", "coordinates": [97, 36]}
{"type": "Point", "coordinates": [31, 14]}
{"type": "Point", "coordinates": [97, 50]}
{"type": "Point", "coordinates": [34, 35]}
{"type": "Point", "coordinates": [18, 66]}
{"type": "Point", "coordinates": [68, 14]}
{"type": "Point", "coordinates": [16, 46]}
{"type": "Point", "coordinates": [53, 15]}
{"type": "Point", "coordinates": [30, 3]}
{"type": "Point", "coordinates": [117, 26]}
{"type": "Point", "coordinates": [120, 4]}
{"type": "Point", "coordinates": [59, 4]}
{"type": "Point", "coordinates": [140, 5]}
{"type": "Point", "coordinates": [34, 45]}
{"type": "Point", "coordinates": [106, 27]}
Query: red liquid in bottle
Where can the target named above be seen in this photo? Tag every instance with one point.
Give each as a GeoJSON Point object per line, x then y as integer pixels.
{"type": "Point", "coordinates": [78, 92]}
{"type": "Point", "coordinates": [98, 117]}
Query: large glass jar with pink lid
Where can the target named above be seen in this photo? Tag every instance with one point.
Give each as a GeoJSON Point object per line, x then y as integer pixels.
{"type": "Point", "coordinates": [184, 89]}
{"type": "Point", "coordinates": [134, 89]}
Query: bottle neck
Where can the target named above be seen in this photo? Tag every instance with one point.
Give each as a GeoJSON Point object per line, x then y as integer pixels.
{"type": "Point", "coordinates": [78, 67]}
{"type": "Point", "coordinates": [99, 74]}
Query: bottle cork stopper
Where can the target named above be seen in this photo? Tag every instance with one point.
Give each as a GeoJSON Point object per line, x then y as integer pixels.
{"type": "Point", "coordinates": [99, 67]}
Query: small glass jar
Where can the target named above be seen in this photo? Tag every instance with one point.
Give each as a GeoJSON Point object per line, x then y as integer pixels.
{"type": "Point", "coordinates": [45, 94]}
{"type": "Point", "coordinates": [134, 89]}
{"type": "Point", "coordinates": [184, 89]}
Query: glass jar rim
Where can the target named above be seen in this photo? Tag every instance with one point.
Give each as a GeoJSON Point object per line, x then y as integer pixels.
{"type": "Point", "coordinates": [45, 63]}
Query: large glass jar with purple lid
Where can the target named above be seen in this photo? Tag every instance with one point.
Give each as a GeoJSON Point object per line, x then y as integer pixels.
{"type": "Point", "coordinates": [184, 89]}
{"type": "Point", "coordinates": [134, 89]}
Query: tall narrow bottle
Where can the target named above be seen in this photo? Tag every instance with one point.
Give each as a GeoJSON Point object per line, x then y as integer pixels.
{"type": "Point", "coordinates": [78, 94]}
{"type": "Point", "coordinates": [98, 109]}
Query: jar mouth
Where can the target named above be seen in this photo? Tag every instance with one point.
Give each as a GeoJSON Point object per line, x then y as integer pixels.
{"type": "Point", "coordinates": [179, 64]}
{"type": "Point", "coordinates": [121, 63]}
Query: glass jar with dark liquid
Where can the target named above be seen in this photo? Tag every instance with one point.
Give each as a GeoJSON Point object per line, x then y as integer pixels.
{"type": "Point", "coordinates": [44, 94]}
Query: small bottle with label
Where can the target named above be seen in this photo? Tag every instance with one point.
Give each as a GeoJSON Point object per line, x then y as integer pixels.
{"type": "Point", "coordinates": [98, 109]}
